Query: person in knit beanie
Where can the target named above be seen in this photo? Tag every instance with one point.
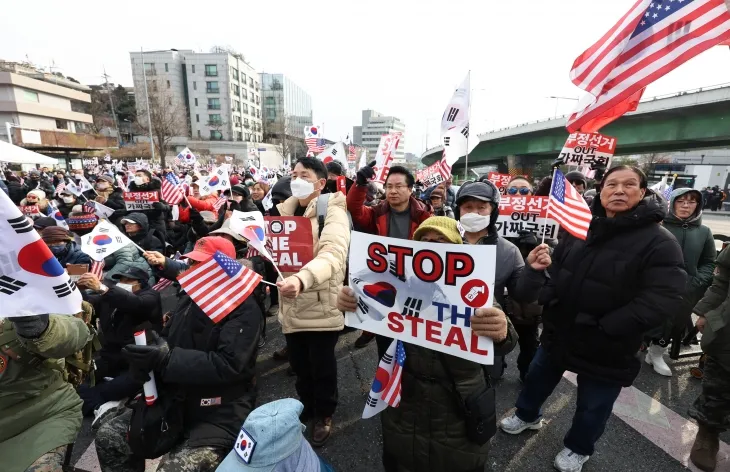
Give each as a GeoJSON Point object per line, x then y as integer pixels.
{"type": "Point", "coordinates": [61, 243]}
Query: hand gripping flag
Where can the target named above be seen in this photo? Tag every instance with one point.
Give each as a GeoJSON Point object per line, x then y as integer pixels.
{"type": "Point", "coordinates": [105, 239]}
{"type": "Point", "coordinates": [219, 285]}
{"type": "Point", "coordinates": [387, 382]}
{"type": "Point", "coordinates": [32, 281]}
{"type": "Point", "coordinates": [56, 214]}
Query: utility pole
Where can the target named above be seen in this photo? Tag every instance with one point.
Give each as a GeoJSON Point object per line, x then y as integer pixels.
{"type": "Point", "coordinates": [114, 113]}
{"type": "Point", "coordinates": [149, 118]}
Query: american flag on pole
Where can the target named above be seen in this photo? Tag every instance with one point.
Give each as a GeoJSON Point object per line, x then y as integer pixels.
{"type": "Point", "coordinates": [352, 153]}
{"type": "Point", "coordinates": [653, 38]}
{"type": "Point", "coordinates": [219, 285]}
{"type": "Point", "coordinates": [171, 192]}
{"type": "Point", "coordinates": [313, 139]}
{"type": "Point", "coordinates": [97, 268]}
{"type": "Point", "coordinates": [385, 389]}
{"type": "Point", "coordinates": [219, 203]}
{"type": "Point", "coordinates": [391, 395]}
{"type": "Point", "coordinates": [567, 207]}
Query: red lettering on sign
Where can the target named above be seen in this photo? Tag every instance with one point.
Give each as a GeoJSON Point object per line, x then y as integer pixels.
{"type": "Point", "coordinates": [455, 336]}
{"type": "Point", "coordinates": [400, 258]}
{"type": "Point", "coordinates": [377, 262]}
{"type": "Point", "coordinates": [414, 325]}
{"type": "Point", "coordinates": [395, 322]}
{"type": "Point", "coordinates": [433, 331]}
{"type": "Point", "coordinates": [475, 345]}
{"type": "Point", "coordinates": [458, 265]}
{"type": "Point", "coordinates": [437, 266]}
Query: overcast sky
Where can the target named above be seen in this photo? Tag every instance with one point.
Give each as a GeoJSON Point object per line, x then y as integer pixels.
{"type": "Point", "coordinates": [399, 57]}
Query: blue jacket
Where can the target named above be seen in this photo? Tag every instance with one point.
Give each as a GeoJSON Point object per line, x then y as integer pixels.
{"type": "Point", "coordinates": [75, 256]}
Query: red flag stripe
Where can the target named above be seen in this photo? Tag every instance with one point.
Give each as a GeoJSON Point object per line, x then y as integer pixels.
{"type": "Point", "coordinates": [250, 281]}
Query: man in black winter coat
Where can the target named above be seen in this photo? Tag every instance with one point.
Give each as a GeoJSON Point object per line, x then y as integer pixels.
{"type": "Point", "coordinates": [138, 229]}
{"type": "Point", "coordinates": [212, 364]}
{"type": "Point", "coordinates": [34, 181]}
{"type": "Point", "coordinates": [122, 309]}
{"type": "Point", "coordinates": [143, 182]}
{"type": "Point", "coordinates": [602, 295]}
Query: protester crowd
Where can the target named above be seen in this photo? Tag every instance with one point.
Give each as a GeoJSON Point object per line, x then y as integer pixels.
{"type": "Point", "coordinates": [584, 306]}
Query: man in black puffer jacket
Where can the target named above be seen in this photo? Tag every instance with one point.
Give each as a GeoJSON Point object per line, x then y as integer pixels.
{"type": "Point", "coordinates": [143, 182]}
{"type": "Point", "coordinates": [212, 364]}
{"type": "Point", "coordinates": [603, 294]}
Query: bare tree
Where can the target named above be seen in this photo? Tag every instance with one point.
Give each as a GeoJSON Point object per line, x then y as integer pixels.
{"type": "Point", "coordinates": [283, 133]}
{"type": "Point", "coordinates": [167, 115]}
{"type": "Point", "coordinates": [647, 161]}
{"type": "Point", "coordinates": [218, 126]}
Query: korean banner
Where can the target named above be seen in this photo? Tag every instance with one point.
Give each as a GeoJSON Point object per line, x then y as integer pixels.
{"type": "Point", "coordinates": [31, 211]}
{"type": "Point", "coordinates": [587, 149]}
{"type": "Point", "coordinates": [422, 293]}
{"type": "Point", "coordinates": [291, 241]}
{"type": "Point", "coordinates": [500, 180]}
{"type": "Point", "coordinates": [140, 200]}
{"type": "Point", "coordinates": [525, 213]}
{"type": "Point", "coordinates": [383, 158]}
{"type": "Point", "coordinates": [431, 175]}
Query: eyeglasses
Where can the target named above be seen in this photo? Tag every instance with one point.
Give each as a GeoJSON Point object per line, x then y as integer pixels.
{"type": "Point", "coordinates": [520, 190]}
{"type": "Point", "coordinates": [397, 188]}
{"type": "Point", "coordinates": [687, 202]}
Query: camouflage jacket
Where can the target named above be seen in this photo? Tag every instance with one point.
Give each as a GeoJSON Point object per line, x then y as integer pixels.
{"type": "Point", "coordinates": [715, 307]}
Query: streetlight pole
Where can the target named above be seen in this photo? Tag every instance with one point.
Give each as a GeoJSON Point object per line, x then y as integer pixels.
{"type": "Point", "coordinates": [149, 116]}
{"type": "Point", "coordinates": [114, 113]}
{"type": "Point", "coordinates": [557, 101]}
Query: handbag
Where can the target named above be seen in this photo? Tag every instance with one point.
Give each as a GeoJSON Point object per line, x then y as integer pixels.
{"type": "Point", "coordinates": [155, 429]}
{"type": "Point", "coordinates": [478, 409]}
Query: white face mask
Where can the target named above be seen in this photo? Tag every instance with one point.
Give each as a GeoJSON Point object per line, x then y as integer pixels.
{"type": "Point", "coordinates": [126, 287]}
{"type": "Point", "coordinates": [473, 222]}
{"type": "Point", "coordinates": [301, 188]}
{"type": "Point", "coordinates": [68, 199]}
{"type": "Point", "coordinates": [138, 181]}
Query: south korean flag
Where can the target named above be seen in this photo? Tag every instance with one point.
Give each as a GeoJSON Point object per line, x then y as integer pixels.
{"type": "Point", "coordinates": [218, 180]}
{"type": "Point", "coordinates": [32, 281]}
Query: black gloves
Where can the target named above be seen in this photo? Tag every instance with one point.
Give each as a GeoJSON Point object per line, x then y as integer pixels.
{"type": "Point", "coordinates": [365, 174]}
{"type": "Point", "coordinates": [152, 357]}
{"type": "Point", "coordinates": [557, 163]}
{"type": "Point", "coordinates": [30, 327]}
{"type": "Point", "coordinates": [527, 239]}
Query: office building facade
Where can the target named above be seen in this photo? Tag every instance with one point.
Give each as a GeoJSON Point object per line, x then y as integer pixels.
{"type": "Point", "coordinates": [285, 105]}
{"type": "Point", "coordinates": [374, 126]}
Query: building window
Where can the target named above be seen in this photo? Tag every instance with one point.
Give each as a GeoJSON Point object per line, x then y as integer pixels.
{"type": "Point", "coordinates": [214, 104]}
{"type": "Point", "coordinates": [216, 135]}
{"type": "Point", "coordinates": [196, 102]}
{"type": "Point", "coordinates": [193, 73]}
{"type": "Point", "coordinates": [61, 124]}
{"type": "Point", "coordinates": [257, 86]}
{"type": "Point", "coordinates": [31, 96]}
{"type": "Point", "coordinates": [198, 130]}
{"type": "Point", "coordinates": [245, 123]}
{"type": "Point", "coordinates": [236, 91]}
{"type": "Point", "coordinates": [166, 69]}
{"type": "Point", "coordinates": [236, 105]}
{"type": "Point", "coordinates": [168, 84]}
{"type": "Point", "coordinates": [149, 68]}
{"type": "Point", "coordinates": [245, 108]}
{"type": "Point", "coordinates": [243, 77]}
{"type": "Point", "coordinates": [234, 73]}
{"type": "Point", "coordinates": [195, 86]}
{"type": "Point", "coordinates": [250, 81]}
{"type": "Point", "coordinates": [154, 86]}
{"type": "Point", "coordinates": [215, 118]}
{"type": "Point", "coordinates": [245, 94]}
{"type": "Point", "coordinates": [197, 118]}
{"type": "Point", "coordinates": [239, 136]}
{"type": "Point", "coordinates": [211, 70]}
{"type": "Point", "coordinates": [248, 136]}
{"type": "Point", "coordinates": [212, 87]}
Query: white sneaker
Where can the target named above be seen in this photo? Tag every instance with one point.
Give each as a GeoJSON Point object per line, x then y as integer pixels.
{"type": "Point", "coordinates": [569, 461]}
{"type": "Point", "coordinates": [105, 411]}
{"type": "Point", "coordinates": [514, 425]}
{"type": "Point", "coordinates": [655, 357]}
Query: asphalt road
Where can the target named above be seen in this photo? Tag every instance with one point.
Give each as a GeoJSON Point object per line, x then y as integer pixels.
{"type": "Point", "coordinates": [627, 444]}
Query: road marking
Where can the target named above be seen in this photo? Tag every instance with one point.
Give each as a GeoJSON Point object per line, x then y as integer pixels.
{"type": "Point", "coordinates": [669, 431]}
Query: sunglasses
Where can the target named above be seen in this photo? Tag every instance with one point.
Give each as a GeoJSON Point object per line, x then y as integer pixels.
{"type": "Point", "coordinates": [521, 191]}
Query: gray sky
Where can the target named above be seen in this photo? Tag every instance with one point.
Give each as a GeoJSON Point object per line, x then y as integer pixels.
{"type": "Point", "coordinates": [399, 57]}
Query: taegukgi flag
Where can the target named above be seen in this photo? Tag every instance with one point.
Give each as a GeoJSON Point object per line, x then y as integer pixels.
{"type": "Point", "coordinates": [104, 240]}
{"type": "Point", "coordinates": [32, 281]}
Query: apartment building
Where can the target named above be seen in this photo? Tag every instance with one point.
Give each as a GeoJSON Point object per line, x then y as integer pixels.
{"type": "Point", "coordinates": [374, 126]}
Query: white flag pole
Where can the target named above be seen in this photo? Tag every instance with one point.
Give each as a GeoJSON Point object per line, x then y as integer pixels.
{"type": "Point", "coordinates": [466, 159]}
{"type": "Point", "coordinates": [552, 185]}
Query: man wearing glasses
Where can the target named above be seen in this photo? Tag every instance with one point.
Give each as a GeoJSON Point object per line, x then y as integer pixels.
{"type": "Point", "coordinates": [396, 217]}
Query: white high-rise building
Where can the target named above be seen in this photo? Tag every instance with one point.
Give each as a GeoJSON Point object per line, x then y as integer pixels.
{"type": "Point", "coordinates": [374, 126]}
{"type": "Point", "coordinates": [218, 92]}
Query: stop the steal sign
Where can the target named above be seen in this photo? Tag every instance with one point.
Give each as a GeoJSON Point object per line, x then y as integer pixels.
{"type": "Point", "coordinates": [291, 241]}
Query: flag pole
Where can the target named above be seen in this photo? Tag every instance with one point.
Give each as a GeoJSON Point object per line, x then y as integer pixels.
{"type": "Point", "coordinates": [552, 185]}
{"type": "Point", "coordinates": [267, 283]}
{"type": "Point", "coordinates": [466, 159]}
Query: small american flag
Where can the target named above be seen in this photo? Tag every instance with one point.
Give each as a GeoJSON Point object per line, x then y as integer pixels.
{"type": "Point", "coordinates": [391, 394]}
{"type": "Point", "coordinates": [171, 192]}
{"type": "Point", "coordinates": [219, 203]}
{"type": "Point", "coordinates": [352, 153]}
{"type": "Point", "coordinates": [653, 38]}
{"type": "Point", "coordinates": [315, 145]}
{"type": "Point", "coordinates": [97, 268]}
{"type": "Point", "coordinates": [568, 208]}
{"type": "Point", "coordinates": [219, 285]}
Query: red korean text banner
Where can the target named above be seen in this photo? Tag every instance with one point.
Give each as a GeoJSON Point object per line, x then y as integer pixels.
{"type": "Point", "coordinates": [500, 180]}
{"type": "Point", "coordinates": [291, 241]}
{"type": "Point", "coordinates": [140, 200]}
{"type": "Point", "coordinates": [431, 175]}
{"type": "Point", "coordinates": [525, 213]}
{"type": "Point", "coordinates": [588, 149]}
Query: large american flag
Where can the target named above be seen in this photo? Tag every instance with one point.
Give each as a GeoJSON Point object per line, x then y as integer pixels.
{"type": "Point", "coordinates": [171, 192]}
{"type": "Point", "coordinates": [391, 395]}
{"type": "Point", "coordinates": [219, 285]}
{"type": "Point", "coordinates": [653, 38]}
{"type": "Point", "coordinates": [567, 207]}
{"type": "Point", "coordinates": [315, 145]}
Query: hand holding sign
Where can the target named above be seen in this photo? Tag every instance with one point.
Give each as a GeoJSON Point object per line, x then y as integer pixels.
{"type": "Point", "coordinates": [346, 300]}
{"type": "Point", "coordinates": [539, 258]}
{"type": "Point", "coordinates": [490, 323]}
{"type": "Point", "coordinates": [365, 174]}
